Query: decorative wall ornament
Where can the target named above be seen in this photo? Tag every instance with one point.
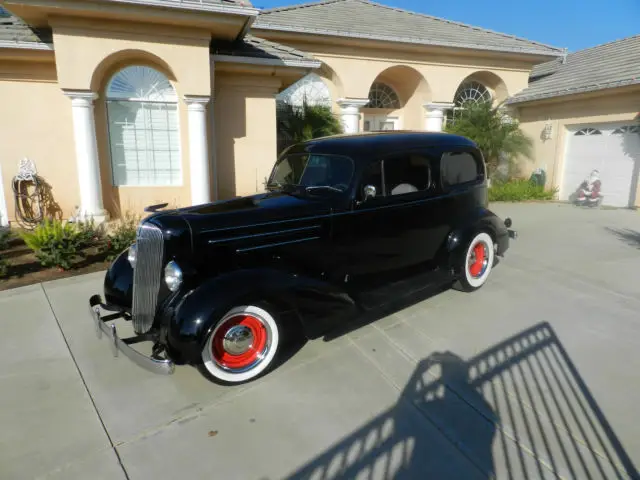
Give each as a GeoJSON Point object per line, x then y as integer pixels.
{"type": "Point", "coordinates": [26, 170]}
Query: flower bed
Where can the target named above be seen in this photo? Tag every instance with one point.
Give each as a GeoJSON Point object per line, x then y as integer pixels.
{"type": "Point", "coordinates": [57, 250]}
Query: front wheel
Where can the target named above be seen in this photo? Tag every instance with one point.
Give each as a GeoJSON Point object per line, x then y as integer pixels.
{"type": "Point", "coordinates": [242, 346]}
{"type": "Point", "coordinates": [477, 263]}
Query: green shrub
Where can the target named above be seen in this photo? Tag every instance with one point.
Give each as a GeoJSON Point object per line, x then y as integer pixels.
{"type": "Point", "coordinates": [122, 236]}
{"type": "Point", "coordinates": [5, 237]}
{"type": "Point", "coordinates": [4, 267]}
{"type": "Point", "coordinates": [519, 190]}
{"type": "Point", "coordinates": [90, 235]}
{"type": "Point", "coordinates": [55, 244]}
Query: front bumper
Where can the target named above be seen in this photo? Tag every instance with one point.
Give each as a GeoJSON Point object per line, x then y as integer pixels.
{"type": "Point", "coordinates": [154, 363]}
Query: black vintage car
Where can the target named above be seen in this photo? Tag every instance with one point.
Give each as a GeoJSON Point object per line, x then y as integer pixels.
{"type": "Point", "coordinates": [221, 285]}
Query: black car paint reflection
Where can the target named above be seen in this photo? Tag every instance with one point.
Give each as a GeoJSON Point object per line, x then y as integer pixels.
{"type": "Point", "coordinates": [318, 250]}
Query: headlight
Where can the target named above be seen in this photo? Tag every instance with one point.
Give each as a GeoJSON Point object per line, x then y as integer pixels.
{"type": "Point", "coordinates": [131, 256]}
{"type": "Point", "coordinates": [173, 276]}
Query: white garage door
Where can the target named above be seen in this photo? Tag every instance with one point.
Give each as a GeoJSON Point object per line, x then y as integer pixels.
{"type": "Point", "coordinates": [614, 150]}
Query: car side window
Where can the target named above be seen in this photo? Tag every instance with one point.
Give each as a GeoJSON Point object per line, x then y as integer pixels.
{"type": "Point", "coordinates": [407, 173]}
{"type": "Point", "coordinates": [458, 168]}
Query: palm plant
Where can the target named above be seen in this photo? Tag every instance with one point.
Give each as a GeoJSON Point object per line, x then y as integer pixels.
{"type": "Point", "coordinates": [305, 122]}
{"type": "Point", "coordinates": [485, 124]}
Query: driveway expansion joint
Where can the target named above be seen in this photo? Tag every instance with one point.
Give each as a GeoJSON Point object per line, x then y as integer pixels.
{"type": "Point", "coordinates": [84, 383]}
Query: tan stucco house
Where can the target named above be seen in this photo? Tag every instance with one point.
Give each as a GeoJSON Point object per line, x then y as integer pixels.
{"type": "Point", "coordinates": [124, 103]}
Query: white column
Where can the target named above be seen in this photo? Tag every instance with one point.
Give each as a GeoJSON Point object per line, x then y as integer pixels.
{"type": "Point", "coordinates": [4, 213]}
{"type": "Point", "coordinates": [434, 116]}
{"type": "Point", "coordinates": [84, 131]}
{"type": "Point", "coordinates": [198, 150]}
{"type": "Point", "coordinates": [350, 113]}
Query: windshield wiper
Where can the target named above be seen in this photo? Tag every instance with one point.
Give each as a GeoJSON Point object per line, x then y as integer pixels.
{"type": "Point", "coordinates": [324, 187]}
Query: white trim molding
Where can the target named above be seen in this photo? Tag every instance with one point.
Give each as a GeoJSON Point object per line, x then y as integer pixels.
{"type": "Point", "coordinates": [194, 5]}
{"type": "Point", "coordinates": [84, 132]}
{"type": "Point", "coordinates": [4, 212]}
{"type": "Point", "coordinates": [198, 149]}
{"type": "Point", "coordinates": [434, 116]}
{"type": "Point", "coordinates": [350, 113]}
{"type": "Point", "coordinates": [269, 62]}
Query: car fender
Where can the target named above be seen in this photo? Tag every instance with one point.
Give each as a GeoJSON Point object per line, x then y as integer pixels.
{"type": "Point", "coordinates": [315, 303]}
{"type": "Point", "coordinates": [480, 220]}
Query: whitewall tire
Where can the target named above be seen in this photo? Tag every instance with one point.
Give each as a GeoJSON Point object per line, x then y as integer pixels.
{"type": "Point", "coordinates": [242, 346]}
{"type": "Point", "coordinates": [477, 262]}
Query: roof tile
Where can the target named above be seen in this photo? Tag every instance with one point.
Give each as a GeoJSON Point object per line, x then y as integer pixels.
{"type": "Point", "coordinates": [256, 47]}
{"type": "Point", "coordinates": [14, 30]}
{"type": "Point", "coordinates": [381, 22]}
{"type": "Point", "coordinates": [610, 65]}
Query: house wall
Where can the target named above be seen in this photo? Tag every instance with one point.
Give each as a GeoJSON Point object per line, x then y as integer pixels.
{"type": "Point", "coordinates": [88, 54]}
{"type": "Point", "coordinates": [245, 132]}
{"type": "Point", "coordinates": [36, 123]}
{"type": "Point", "coordinates": [616, 105]}
{"type": "Point", "coordinates": [418, 74]}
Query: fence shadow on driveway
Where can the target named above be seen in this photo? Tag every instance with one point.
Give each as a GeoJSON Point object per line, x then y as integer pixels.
{"type": "Point", "coordinates": [523, 391]}
{"type": "Point", "coordinates": [631, 237]}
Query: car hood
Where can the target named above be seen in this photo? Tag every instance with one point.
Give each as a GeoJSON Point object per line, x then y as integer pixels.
{"type": "Point", "coordinates": [244, 215]}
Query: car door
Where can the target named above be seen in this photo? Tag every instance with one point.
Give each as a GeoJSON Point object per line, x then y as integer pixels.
{"type": "Point", "coordinates": [393, 230]}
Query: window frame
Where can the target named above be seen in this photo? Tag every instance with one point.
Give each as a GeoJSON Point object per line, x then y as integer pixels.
{"type": "Point", "coordinates": [481, 166]}
{"type": "Point", "coordinates": [143, 102]}
{"type": "Point", "coordinates": [385, 197]}
{"type": "Point", "coordinates": [354, 172]}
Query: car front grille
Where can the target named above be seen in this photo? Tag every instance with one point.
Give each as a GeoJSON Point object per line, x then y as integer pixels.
{"type": "Point", "coordinates": [147, 275]}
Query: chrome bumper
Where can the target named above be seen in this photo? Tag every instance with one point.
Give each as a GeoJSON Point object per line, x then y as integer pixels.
{"type": "Point", "coordinates": [513, 234]}
{"type": "Point", "coordinates": [154, 364]}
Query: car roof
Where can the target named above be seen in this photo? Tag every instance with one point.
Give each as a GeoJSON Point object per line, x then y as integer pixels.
{"type": "Point", "coordinates": [355, 143]}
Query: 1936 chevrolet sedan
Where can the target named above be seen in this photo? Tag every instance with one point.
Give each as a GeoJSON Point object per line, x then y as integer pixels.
{"type": "Point", "coordinates": [221, 285]}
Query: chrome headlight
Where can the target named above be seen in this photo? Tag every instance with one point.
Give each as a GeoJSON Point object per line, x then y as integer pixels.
{"type": "Point", "coordinates": [132, 254]}
{"type": "Point", "coordinates": [173, 276]}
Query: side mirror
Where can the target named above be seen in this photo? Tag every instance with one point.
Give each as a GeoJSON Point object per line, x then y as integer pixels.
{"type": "Point", "coordinates": [369, 192]}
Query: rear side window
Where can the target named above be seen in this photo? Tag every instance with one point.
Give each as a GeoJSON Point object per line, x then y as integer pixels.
{"type": "Point", "coordinates": [459, 167]}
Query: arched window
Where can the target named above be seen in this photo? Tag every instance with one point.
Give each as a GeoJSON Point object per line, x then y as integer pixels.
{"type": "Point", "coordinates": [471, 91]}
{"type": "Point", "coordinates": [468, 91]}
{"type": "Point", "coordinates": [144, 138]}
{"type": "Point", "coordinates": [311, 87]}
{"type": "Point", "coordinates": [383, 96]}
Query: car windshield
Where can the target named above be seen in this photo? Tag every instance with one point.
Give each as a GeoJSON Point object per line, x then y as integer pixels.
{"type": "Point", "coordinates": [313, 171]}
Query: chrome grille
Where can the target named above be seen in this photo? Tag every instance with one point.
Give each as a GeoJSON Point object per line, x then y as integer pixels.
{"type": "Point", "coordinates": [147, 275]}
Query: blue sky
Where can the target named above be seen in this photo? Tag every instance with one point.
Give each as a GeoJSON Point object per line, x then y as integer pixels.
{"type": "Point", "coordinates": [574, 24]}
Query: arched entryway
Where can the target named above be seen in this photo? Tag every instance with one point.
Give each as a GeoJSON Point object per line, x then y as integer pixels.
{"type": "Point", "coordinates": [395, 100]}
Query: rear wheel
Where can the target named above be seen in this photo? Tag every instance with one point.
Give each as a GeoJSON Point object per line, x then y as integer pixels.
{"type": "Point", "coordinates": [477, 263]}
{"type": "Point", "coordinates": [243, 345]}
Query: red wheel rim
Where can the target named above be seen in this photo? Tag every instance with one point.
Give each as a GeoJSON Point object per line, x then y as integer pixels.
{"type": "Point", "coordinates": [479, 253]}
{"type": "Point", "coordinates": [249, 350]}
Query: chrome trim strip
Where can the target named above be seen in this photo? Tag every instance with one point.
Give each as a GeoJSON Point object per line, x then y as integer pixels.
{"type": "Point", "coordinates": [147, 276]}
{"type": "Point", "coordinates": [155, 365]}
{"type": "Point", "coordinates": [260, 247]}
{"type": "Point", "coordinates": [278, 232]}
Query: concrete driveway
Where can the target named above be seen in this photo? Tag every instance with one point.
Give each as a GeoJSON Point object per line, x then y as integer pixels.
{"type": "Point", "coordinates": [533, 376]}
